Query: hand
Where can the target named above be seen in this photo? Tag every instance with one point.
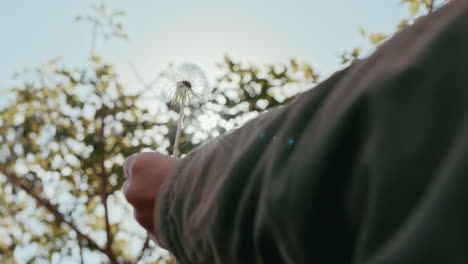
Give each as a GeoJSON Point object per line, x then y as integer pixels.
{"type": "Point", "coordinates": [146, 172]}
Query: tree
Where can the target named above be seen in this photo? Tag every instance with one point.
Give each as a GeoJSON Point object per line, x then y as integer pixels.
{"type": "Point", "coordinates": [63, 144]}
{"type": "Point", "coordinates": [64, 137]}
{"type": "Point", "coordinates": [416, 10]}
{"type": "Point", "coordinates": [64, 141]}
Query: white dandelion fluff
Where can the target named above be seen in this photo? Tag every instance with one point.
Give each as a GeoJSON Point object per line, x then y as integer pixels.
{"type": "Point", "coordinates": [188, 81]}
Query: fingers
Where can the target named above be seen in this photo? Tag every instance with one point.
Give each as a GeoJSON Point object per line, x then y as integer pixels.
{"type": "Point", "coordinates": [145, 173]}
{"type": "Point", "coordinates": [139, 163]}
{"type": "Point", "coordinates": [128, 163]}
{"type": "Point", "coordinates": [142, 180]}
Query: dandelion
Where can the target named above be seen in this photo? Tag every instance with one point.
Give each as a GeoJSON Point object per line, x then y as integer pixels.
{"type": "Point", "coordinates": [187, 82]}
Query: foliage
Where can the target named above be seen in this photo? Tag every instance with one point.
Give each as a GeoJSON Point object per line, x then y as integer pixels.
{"type": "Point", "coordinates": [105, 23]}
{"type": "Point", "coordinates": [63, 144]}
{"type": "Point", "coordinates": [64, 140]}
{"type": "Point", "coordinates": [416, 10]}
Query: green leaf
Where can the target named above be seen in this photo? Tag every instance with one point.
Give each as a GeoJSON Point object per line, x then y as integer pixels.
{"type": "Point", "coordinates": [362, 31]}
{"type": "Point", "coordinates": [404, 23]}
{"type": "Point", "coordinates": [376, 38]}
{"type": "Point", "coordinates": [294, 65]}
{"type": "Point", "coordinates": [414, 7]}
{"type": "Point", "coordinates": [356, 52]}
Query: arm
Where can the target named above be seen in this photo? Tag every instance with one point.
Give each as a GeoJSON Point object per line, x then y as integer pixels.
{"type": "Point", "coordinates": [208, 209]}
{"type": "Point", "coordinates": [375, 172]}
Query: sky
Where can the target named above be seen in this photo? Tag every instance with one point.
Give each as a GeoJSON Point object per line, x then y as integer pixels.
{"type": "Point", "coordinates": [202, 32]}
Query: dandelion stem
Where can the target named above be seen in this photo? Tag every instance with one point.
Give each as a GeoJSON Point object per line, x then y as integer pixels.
{"type": "Point", "coordinates": [176, 152]}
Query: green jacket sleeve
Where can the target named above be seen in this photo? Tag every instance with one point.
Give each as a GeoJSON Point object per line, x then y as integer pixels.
{"type": "Point", "coordinates": [368, 167]}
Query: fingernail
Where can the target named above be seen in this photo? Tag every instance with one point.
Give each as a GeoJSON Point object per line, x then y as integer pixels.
{"type": "Point", "coordinates": [128, 162]}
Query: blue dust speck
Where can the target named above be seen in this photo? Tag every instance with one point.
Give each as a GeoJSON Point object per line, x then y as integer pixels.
{"type": "Point", "coordinates": [262, 136]}
{"type": "Point", "coordinates": [291, 142]}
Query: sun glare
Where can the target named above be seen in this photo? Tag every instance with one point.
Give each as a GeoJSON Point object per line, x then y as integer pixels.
{"type": "Point", "coordinates": [205, 42]}
{"type": "Point", "coordinates": [208, 122]}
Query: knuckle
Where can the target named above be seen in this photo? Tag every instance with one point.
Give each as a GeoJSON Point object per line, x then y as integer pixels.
{"type": "Point", "coordinates": [128, 164]}
{"type": "Point", "coordinates": [134, 169]}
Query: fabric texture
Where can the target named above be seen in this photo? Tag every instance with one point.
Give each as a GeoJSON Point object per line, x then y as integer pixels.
{"type": "Point", "coordinates": [370, 166]}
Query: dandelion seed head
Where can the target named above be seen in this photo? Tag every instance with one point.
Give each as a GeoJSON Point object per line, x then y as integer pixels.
{"type": "Point", "coordinates": [186, 82]}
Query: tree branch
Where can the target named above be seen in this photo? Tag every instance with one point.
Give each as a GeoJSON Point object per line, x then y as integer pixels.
{"type": "Point", "coordinates": [104, 195]}
{"type": "Point", "coordinates": [142, 251]}
{"type": "Point", "coordinates": [81, 251]}
{"type": "Point", "coordinates": [93, 38]}
{"type": "Point", "coordinates": [15, 180]}
{"type": "Point", "coordinates": [431, 4]}
{"type": "Point", "coordinates": [146, 86]}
